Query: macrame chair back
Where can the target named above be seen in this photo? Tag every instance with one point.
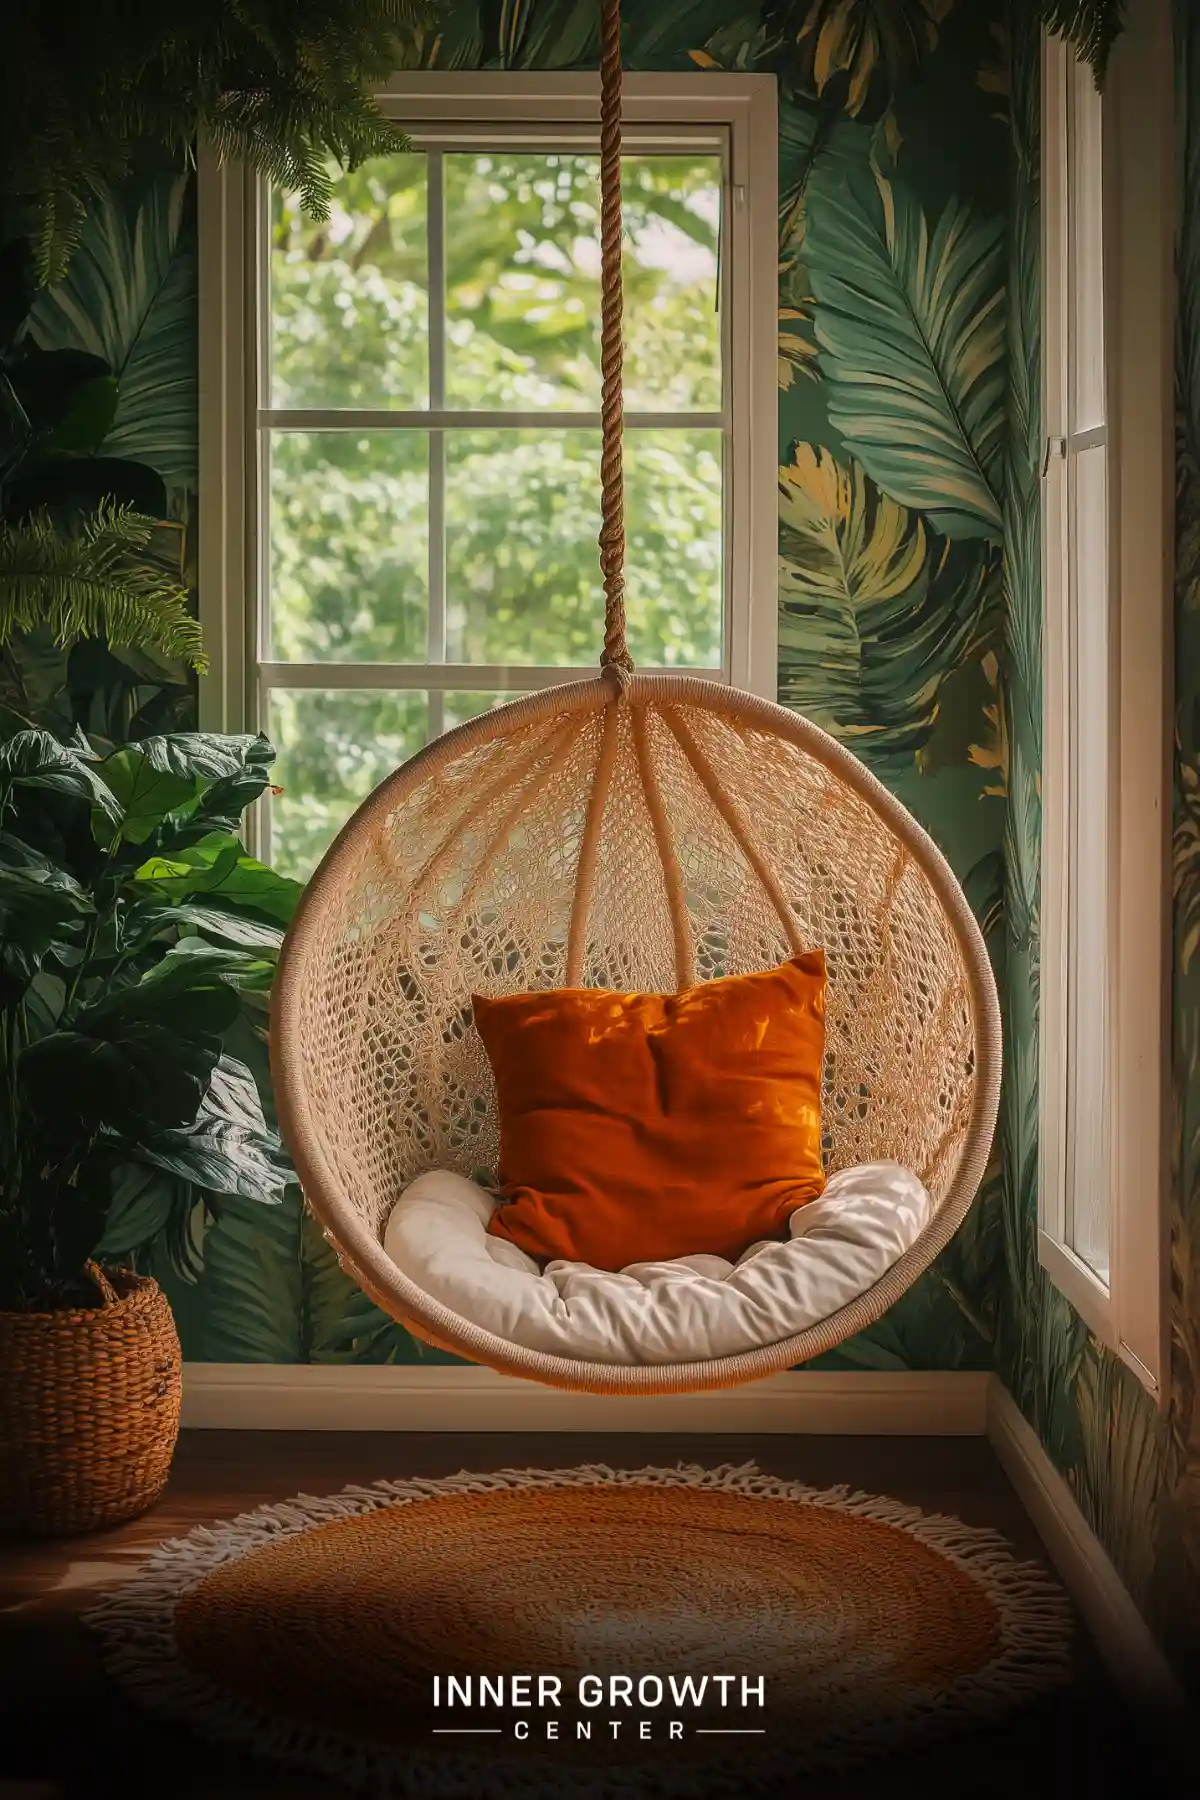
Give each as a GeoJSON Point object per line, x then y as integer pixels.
{"type": "Point", "coordinates": [629, 832]}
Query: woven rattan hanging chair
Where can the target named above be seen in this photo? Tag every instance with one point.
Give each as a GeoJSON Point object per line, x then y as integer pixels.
{"type": "Point", "coordinates": [628, 832]}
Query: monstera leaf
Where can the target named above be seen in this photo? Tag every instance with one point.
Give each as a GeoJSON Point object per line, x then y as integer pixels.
{"type": "Point", "coordinates": [910, 324]}
{"type": "Point", "coordinates": [877, 610]}
{"type": "Point", "coordinates": [862, 49]}
{"type": "Point", "coordinates": [129, 299]}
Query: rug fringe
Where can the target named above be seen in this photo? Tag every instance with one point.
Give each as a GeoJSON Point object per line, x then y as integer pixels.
{"type": "Point", "coordinates": [135, 1624]}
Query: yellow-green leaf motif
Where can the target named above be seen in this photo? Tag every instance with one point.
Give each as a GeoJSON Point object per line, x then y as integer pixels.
{"type": "Point", "coordinates": [869, 42]}
{"type": "Point", "coordinates": [876, 609]}
{"type": "Point", "coordinates": [910, 322]}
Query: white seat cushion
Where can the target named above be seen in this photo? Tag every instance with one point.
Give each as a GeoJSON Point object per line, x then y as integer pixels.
{"type": "Point", "coordinates": [689, 1309]}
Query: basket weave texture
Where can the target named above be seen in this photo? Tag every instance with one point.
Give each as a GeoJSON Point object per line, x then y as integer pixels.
{"type": "Point", "coordinates": [681, 832]}
{"type": "Point", "coordinates": [89, 1408]}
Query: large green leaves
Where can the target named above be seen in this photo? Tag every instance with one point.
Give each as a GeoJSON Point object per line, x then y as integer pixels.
{"type": "Point", "coordinates": [236, 771]}
{"type": "Point", "coordinates": [43, 912]}
{"type": "Point", "coordinates": [876, 609]}
{"type": "Point", "coordinates": [127, 1071]}
{"type": "Point", "coordinates": [228, 1147]}
{"type": "Point", "coordinates": [910, 321]}
{"type": "Point", "coordinates": [36, 760]}
{"type": "Point", "coordinates": [193, 962]}
{"type": "Point", "coordinates": [189, 782]}
{"type": "Point", "coordinates": [206, 757]}
{"type": "Point", "coordinates": [144, 793]}
{"type": "Point", "coordinates": [129, 297]}
{"type": "Point", "coordinates": [141, 1058]}
{"type": "Point", "coordinates": [124, 1103]}
{"type": "Point", "coordinates": [218, 868]}
{"type": "Point", "coordinates": [143, 1201]}
{"type": "Point", "coordinates": [225, 925]}
{"type": "Point", "coordinates": [250, 1285]}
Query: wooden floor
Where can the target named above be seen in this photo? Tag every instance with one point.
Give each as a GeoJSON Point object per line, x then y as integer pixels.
{"type": "Point", "coordinates": [65, 1731]}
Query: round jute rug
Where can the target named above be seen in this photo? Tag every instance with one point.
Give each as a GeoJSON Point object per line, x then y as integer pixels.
{"type": "Point", "coordinates": [664, 1631]}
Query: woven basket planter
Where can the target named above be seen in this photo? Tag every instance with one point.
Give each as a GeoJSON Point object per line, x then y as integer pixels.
{"type": "Point", "coordinates": [89, 1408]}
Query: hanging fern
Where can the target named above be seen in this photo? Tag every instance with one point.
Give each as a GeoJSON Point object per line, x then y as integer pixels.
{"type": "Point", "coordinates": [280, 83]}
{"type": "Point", "coordinates": [1092, 26]}
{"type": "Point", "coordinates": [94, 581]}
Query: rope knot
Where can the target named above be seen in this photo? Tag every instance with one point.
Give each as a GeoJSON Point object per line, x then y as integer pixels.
{"type": "Point", "coordinates": [617, 676]}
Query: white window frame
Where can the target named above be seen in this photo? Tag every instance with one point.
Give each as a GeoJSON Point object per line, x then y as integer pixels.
{"type": "Point", "coordinates": [736, 114]}
{"type": "Point", "coordinates": [1126, 1005]}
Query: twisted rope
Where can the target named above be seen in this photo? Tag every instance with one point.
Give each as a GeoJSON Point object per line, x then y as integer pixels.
{"type": "Point", "coordinates": [615, 655]}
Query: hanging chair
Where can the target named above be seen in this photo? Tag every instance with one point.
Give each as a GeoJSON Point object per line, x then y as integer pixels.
{"type": "Point", "coordinates": [631, 832]}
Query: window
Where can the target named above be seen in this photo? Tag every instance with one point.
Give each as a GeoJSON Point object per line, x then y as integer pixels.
{"type": "Point", "coordinates": [419, 465]}
{"type": "Point", "coordinates": [1105, 922]}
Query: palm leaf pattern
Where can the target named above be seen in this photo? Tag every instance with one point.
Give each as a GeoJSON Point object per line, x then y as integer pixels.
{"type": "Point", "coordinates": [130, 297]}
{"type": "Point", "coordinates": [876, 610]}
{"type": "Point", "coordinates": [910, 323]}
{"type": "Point", "coordinates": [1118, 1481]}
{"type": "Point", "coordinates": [272, 1286]}
{"type": "Point", "coordinates": [865, 45]}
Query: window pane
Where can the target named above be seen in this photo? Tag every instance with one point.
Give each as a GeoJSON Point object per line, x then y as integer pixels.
{"type": "Point", "coordinates": [523, 577]}
{"type": "Point", "coordinates": [672, 211]}
{"type": "Point", "coordinates": [1086, 224]}
{"type": "Point", "coordinates": [675, 557]}
{"type": "Point", "coordinates": [1087, 1228]}
{"type": "Point", "coordinates": [349, 297]}
{"type": "Point", "coordinates": [523, 291]}
{"type": "Point", "coordinates": [348, 540]}
{"type": "Point", "coordinates": [522, 310]}
{"type": "Point", "coordinates": [334, 746]}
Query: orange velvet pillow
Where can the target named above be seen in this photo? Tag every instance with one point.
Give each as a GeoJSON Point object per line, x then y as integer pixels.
{"type": "Point", "coordinates": [635, 1127]}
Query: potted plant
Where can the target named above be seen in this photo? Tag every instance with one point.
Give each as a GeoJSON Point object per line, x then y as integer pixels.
{"type": "Point", "coordinates": [133, 926]}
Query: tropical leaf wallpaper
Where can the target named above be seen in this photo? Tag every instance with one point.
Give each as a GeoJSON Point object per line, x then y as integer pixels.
{"type": "Point", "coordinates": [909, 611]}
{"type": "Point", "coordinates": [1135, 1471]}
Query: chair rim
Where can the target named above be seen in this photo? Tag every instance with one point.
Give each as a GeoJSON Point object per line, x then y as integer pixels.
{"type": "Point", "coordinates": [361, 1253]}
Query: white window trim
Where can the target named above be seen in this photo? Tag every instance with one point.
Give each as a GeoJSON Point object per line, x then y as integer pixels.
{"type": "Point", "coordinates": [1130, 1315]}
{"type": "Point", "coordinates": [741, 110]}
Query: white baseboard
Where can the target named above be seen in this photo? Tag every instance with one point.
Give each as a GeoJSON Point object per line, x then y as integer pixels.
{"type": "Point", "coordinates": [321, 1397]}
{"type": "Point", "coordinates": [1118, 1629]}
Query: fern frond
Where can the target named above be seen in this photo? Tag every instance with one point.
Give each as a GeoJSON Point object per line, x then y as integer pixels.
{"type": "Point", "coordinates": [1091, 26]}
{"type": "Point", "coordinates": [59, 218]}
{"type": "Point", "coordinates": [281, 83]}
{"type": "Point", "coordinates": [94, 581]}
